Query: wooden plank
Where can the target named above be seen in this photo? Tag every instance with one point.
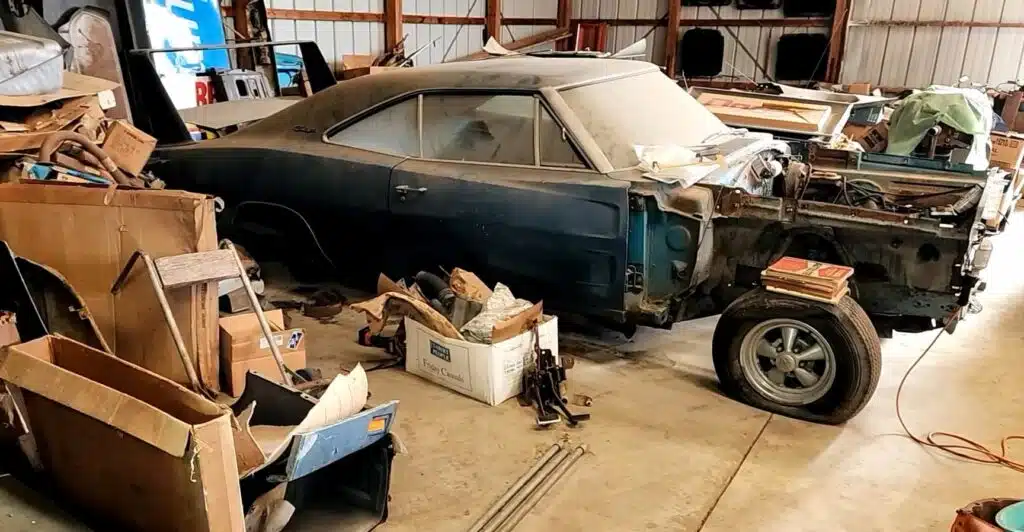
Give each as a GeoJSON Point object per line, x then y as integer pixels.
{"type": "Point", "coordinates": [493, 19]}
{"type": "Point", "coordinates": [194, 268]}
{"type": "Point", "coordinates": [306, 14]}
{"type": "Point", "coordinates": [672, 38]}
{"type": "Point", "coordinates": [392, 23]}
{"type": "Point", "coordinates": [837, 41]}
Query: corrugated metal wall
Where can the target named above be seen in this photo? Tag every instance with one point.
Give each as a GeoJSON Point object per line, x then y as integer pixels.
{"type": "Point", "coordinates": [915, 56]}
{"type": "Point", "coordinates": [526, 9]}
{"type": "Point", "coordinates": [336, 38]}
{"type": "Point", "coordinates": [761, 42]}
{"type": "Point", "coordinates": [443, 41]}
{"type": "Point", "coordinates": [620, 37]}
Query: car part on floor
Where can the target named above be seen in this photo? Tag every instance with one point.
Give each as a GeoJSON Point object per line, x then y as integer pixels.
{"type": "Point", "coordinates": [708, 62]}
{"type": "Point", "coordinates": [796, 357]}
{"type": "Point", "coordinates": [758, 4]}
{"type": "Point", "coordinates": [542, 386]}
{"type": "Point", "coordinates": [493, 509]}
{"type": "Point", "coordinates": [543, 489]}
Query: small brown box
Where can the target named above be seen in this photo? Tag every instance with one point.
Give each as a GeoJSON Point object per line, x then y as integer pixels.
{"type": "Point", "coordinates": [243, 348]}
{"type": "Point", "coordinates": [128, 146]}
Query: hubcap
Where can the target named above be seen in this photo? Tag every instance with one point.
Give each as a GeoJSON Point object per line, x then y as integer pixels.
{"type": "Point", "coordinates": [788, 361]}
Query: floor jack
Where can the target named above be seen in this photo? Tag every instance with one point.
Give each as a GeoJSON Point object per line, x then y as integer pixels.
{"type": "Point", "coordinates": [542, 387]}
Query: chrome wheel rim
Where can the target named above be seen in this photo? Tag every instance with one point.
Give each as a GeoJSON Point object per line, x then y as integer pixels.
{"type": "Point", "coordinates": [788, 361]}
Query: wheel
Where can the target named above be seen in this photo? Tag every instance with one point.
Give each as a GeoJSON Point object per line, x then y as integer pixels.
{"type": "Point", "coordinates": [803, 359]}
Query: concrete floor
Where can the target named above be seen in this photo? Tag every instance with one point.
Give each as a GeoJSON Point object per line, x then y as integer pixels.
{"type": "Point", "coordinates": [670, 453]}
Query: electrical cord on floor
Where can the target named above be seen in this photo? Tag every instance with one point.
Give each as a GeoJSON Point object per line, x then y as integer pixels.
{"type": "Point", "coordinates": [961, 447]}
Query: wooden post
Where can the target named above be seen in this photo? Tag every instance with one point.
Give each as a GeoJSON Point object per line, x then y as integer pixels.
{"type": "Point", "coordinates": [564, 21]}
{"type": "Point", "coordinates": [837, 41]}
{"type": "Point", "coordinates": [672, 37]}
{"type": "Point", "coordinates": [240, 18]}
{"type": "Point", "coordinates": [392, 24]}
{"type": "Point", "coordinates": [492, 19]}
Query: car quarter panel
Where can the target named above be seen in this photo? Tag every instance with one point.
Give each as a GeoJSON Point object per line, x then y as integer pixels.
{"type": "Point", "coordinates": [548, 234]}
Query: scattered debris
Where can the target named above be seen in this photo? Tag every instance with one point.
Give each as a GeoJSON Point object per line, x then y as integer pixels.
{"type": "Point", "coordinates": [582, 400]}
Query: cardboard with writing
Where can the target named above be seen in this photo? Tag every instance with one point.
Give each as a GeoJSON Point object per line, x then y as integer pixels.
{"type": "Point", "coordinates": [491, 373]}
{"type": "Point", "coordinates": [128, 146]}
{"type": "Point", "coordinates": [244, 348]}
{"type": "Point", "coordinates": [1007, 150]}
{"type": "Point", "coordinates": [91, 231]}
{"type": "Point", "coordinates": [135, 448]}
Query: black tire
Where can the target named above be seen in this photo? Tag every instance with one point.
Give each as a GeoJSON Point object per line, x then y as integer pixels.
{"type": "Point", "coordinates": [846, 328]}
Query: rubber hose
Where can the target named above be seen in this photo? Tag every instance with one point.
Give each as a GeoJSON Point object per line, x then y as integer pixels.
{"type": "Point", "coordinates": [432, 285]}
{"type": "Point", "coordinates": [54, 141]}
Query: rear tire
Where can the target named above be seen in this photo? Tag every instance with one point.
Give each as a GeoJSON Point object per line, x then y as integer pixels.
{"type": "Point", "coordinates": [803, 359]}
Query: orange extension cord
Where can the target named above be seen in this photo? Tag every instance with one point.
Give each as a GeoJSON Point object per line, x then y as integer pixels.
{"type": "Point", "coordinates": [961, 447]}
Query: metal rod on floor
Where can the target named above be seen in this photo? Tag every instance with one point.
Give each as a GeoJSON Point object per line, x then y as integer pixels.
{"type": "Point", "coordinates": [524, 509]}
{"type": "Point", "coordinates": [514, 488]}
{"type": "Point", "coordinates": [527, 490]}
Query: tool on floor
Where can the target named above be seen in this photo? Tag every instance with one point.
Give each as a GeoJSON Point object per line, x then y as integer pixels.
{"type": "Point", "coordinates": [542, 386]}
{"type": "Point", "coordinates": [179, 271]}
{"type": "Point", "coordinates": [560, 471]}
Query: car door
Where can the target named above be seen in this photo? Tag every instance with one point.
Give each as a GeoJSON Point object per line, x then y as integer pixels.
{"type": "Point", "coordinates": [499, 190]}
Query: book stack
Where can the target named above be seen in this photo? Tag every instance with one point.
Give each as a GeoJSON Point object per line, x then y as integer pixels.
{"type": "Point", "coordinates": [818, 281]}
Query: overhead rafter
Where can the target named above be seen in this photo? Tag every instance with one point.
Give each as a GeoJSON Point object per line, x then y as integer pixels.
{"type": "Point", "coordinates": [392, 23]}
{"type": "Point", "coordinates": [837, 41]}
{"type": "Point", "coordinates": [492, 19]}
{"type": "Point", "coordinates": [672, 37]}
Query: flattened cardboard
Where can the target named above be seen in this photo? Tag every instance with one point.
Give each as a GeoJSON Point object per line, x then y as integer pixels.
{"type": "Point", "coordinates": [90, 232]}
{"type": "Point", "coordinates": [133, 447]}
{"type": "Point", "coordinates": [75, 85]}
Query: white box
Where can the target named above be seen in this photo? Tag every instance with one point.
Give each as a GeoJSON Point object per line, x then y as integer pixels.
{"type": "Point", "coordinates": [490, 373]}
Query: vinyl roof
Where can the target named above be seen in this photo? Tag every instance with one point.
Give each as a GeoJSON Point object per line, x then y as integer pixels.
{"type": "Point", "coordinates": [347, 98]}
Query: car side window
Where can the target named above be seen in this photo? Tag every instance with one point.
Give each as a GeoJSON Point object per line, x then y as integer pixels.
{"type": "Point", "coordinates": [555, 147]}
{"type": "Point", "coordinates": [480, 128]}
{"type": "Point", "coordinates": [391, 130]}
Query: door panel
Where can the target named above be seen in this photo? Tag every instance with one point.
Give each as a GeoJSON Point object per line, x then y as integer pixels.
{"type": "Point", "coordinates": [341, 192]}
{"type": "Point", "coordinates": [554, 235]}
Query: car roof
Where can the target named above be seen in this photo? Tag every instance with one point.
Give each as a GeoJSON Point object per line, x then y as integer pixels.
{"type": "Point", "coordinates": [330, 106]}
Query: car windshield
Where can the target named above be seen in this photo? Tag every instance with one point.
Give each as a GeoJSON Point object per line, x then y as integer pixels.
{"type": "Point", "coordinates": [645, 110]}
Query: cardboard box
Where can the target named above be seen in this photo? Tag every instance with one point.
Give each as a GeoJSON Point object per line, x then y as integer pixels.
{"type": "Point", "coordinates": [355, 65]}
{"type": "Point", "coordinates": [128, 146]}
{"type": "Point", "coordinates": [244, 348]}
{"type": "Point", "coordinates": [1007, 150]}
{"type": "Point", "coordinates": [129, 445]}
{"type": "Point", "coordinates": [490, 373]}
{"type": "Point", "coordinates": [91, 231]}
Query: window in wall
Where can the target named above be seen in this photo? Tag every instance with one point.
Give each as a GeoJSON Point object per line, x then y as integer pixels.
{"type": "Point", "coordinates": [391, 130]}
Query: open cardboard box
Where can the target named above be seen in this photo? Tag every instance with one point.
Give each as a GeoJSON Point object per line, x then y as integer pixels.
{"type": "Point", "coordinates": [139, 450]}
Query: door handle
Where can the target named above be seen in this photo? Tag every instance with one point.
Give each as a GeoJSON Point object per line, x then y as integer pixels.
{"type": "Point", "coordinates": [405, 189]}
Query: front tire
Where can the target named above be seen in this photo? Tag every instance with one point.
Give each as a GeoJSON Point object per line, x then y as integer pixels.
{"type": "Point", "coordinates": [803, 359]}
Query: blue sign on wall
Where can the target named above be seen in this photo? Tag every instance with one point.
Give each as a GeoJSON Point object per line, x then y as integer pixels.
{"type": "Point", "coordinates": [181, 24]}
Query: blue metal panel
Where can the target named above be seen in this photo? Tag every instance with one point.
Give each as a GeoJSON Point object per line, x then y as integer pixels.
{"type": "Point", "coordinates": [320, 448]}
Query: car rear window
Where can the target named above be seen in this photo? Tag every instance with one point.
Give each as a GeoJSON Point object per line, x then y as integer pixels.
{"type": "Point", "coordinates": [645, 110]}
